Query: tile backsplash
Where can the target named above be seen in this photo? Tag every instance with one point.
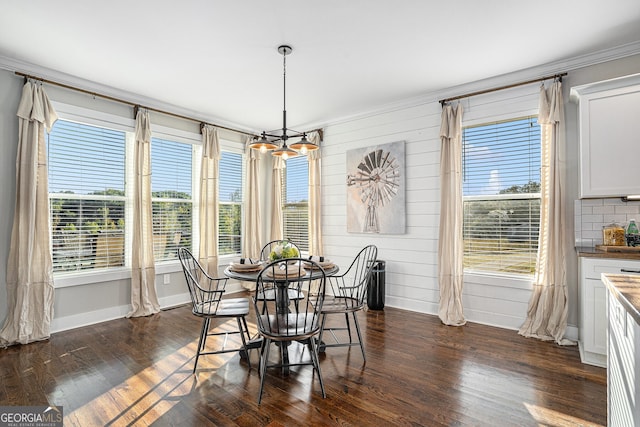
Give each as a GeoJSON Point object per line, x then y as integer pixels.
{"type": "Point", "coordinates": [592, 214]}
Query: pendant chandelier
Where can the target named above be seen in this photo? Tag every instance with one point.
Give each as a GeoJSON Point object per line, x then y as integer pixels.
{"type": "Point", "coordinates": [269, 141]}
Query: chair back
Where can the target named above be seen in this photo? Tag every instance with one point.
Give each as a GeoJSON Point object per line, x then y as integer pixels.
{"type": "Point", "coordinates": [266, 249]}
{"type": "Point", "coordinates": [294, 311]}
{"type": "Point", "coordinates": [352, 284]}
{"type": "Point", "coordinates": [205, 291]}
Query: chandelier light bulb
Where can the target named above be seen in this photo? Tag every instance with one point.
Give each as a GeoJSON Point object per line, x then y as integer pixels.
{"type": "Point", "coordinates": [285, 156]}
{"type": "Point", "coordinates": [263, 149]}
{"type": "Point", "coordinates": [304, 150]}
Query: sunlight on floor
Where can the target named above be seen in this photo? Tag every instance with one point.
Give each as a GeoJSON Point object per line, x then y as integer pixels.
{"type": "Point", "coordinates": [142, 399]}
{"type": "Point", "coordinates": [551, 418]}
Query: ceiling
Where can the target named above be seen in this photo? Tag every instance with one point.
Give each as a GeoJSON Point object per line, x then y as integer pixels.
{"type": "Point", "coordinates": [219, 59]}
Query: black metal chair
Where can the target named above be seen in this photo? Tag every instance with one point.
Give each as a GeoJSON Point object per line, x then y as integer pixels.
{"type": "Point", "coordinates": [283, 320]}
{"type": "Point", "coordinates": [347, 294]}
{"type": "Point", "coordinates": [266, 249]}
{"type": "Point", "coordinates": [207, 302]}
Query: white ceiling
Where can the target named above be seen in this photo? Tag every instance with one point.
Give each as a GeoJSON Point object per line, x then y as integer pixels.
{"type": "Point", "coordinates": [219, 59]}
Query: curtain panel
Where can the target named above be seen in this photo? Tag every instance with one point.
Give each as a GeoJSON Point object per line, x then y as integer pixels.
{"type": "Point", "coordinates": [251, 244]}
{"type": "Point", "coordinates": [547, 311]}
{"type": "Point", "coordinates": [30, 264]}
{"type": "Point", "coordinates": [144, 299]}
{"type": "Point", "coordinates": [209, 216]}
{"type": "Point", "coordinates": [450, 242]}
{"type": "Point", "coordinates": [276, 199]}
{"type": "Point", "coordinates": [315, 197]}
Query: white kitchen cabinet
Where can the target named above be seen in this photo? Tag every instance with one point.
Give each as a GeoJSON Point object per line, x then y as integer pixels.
{"type": "Point", "coordinates": [609, 121]}
{"type": "Point", "coordinates": [623, 387]}
{"type": "Point", "coordinates": [593, 305]}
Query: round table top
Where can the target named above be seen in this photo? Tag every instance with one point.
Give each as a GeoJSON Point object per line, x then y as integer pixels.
{"type": "Point", "coordinates": [251, 276]}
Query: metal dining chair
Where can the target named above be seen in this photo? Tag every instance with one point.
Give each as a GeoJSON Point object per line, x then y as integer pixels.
{"type": "Point", "coordinates": [346, 295]}
{"type": "Point", "coordinates": [283, 320]}
{"type": "Point", "coordinates": [207, 302]}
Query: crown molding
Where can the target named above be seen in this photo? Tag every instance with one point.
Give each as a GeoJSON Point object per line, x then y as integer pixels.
{"type": "Point", "coordinates": [14, 65]}
{"type": "Point", "coordinates": [562, 66]}
{"type": "Point", "coordinates": [556, 67]}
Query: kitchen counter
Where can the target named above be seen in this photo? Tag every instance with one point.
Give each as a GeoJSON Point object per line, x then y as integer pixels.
{"type": "Point", "coordinates": [626, 289]}
{"type": "Point", "coordinates": [590, 252]}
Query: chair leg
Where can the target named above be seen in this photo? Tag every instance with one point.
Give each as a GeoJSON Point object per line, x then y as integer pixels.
{"type": "Point", "coordinates": [264, 356]}
{"type": "Point", "coordinates": [355, 319]}
{"type": "Point", "coordinates": [244, 341]}
{"type": "Point", "coordinates": [346, 316]}
{"type": "Point", "coordinates": [320, 346]}
{"type": "Point", "coordinates": [316, 364]}
{"type": "Point", "coordinates": [202, 341]}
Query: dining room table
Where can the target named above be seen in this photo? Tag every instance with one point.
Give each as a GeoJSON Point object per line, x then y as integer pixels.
{"type": "Point", "coordinates": [283, 295]}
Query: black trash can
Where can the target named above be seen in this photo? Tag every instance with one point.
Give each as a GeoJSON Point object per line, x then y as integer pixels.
{"type": "Point", "coordinates": [375, 287]}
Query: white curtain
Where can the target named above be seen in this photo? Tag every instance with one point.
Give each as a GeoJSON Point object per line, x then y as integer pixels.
{"type": "Point", "coordinates": [547, 312]}
{"type": "Point", "coordinates": [276, 199]}
{"type": "Point", "coordinates": [251, 235]}
{"type": "Point", "coordinates": [208, 254]}
{"type": "Point", "coordinates": [450, 243]}
{"type": "Point", "coordinates": [144, 299]}
{"type": "Point", "coordinates": [315, 201]}
{"type": "Point", "coordinates": [30, 264]}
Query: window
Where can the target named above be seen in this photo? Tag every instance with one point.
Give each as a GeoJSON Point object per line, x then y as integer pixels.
{"type": "Point", "coordinates": [501, 195]}
{"type": "Point", "coordinates": [230, 203]}
{"type": "Point", "coordinates": [172, 200]}
{"type": "Point", "coordinates": [86, 196]}
{"type": "Point", "coordinates": [295, 196]}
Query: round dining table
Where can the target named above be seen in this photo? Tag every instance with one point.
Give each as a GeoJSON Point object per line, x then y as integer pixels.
{"type": "Point", "coordinates": [283, 297]}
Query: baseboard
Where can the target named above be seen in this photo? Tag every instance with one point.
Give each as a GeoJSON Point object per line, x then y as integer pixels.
{"type": "Point", "coordinates": [59, 324]}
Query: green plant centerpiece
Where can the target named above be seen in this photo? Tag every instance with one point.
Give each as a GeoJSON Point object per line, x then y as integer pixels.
{"type": "Point", "coordinates": [282, 250]}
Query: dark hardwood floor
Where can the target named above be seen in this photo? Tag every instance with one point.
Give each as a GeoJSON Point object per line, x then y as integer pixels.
{"type": "Point", "coordinates": [418, 372]}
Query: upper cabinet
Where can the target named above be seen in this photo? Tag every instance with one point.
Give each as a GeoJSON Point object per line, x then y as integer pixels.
{"type": "Point", "coordinates": [609, 122]}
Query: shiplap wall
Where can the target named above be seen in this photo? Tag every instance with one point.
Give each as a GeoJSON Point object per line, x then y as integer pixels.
{"type": "Point", "coordinates": [411, 258]}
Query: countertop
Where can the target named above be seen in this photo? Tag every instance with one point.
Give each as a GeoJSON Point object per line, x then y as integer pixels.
{"type": "Point", "coordinates": [626, 289]}
{"type": "Point", "coordinates": [590, 252]}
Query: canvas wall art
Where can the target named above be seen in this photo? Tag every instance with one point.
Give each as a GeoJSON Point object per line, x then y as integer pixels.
{"type": "Point", "coordinates": [376, 189]}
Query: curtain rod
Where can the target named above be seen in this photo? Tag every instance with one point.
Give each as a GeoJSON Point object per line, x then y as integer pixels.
{"type": "Point", "coordinates": [480, 92]}
{"type": "Point", "coordinates": [122, 101]}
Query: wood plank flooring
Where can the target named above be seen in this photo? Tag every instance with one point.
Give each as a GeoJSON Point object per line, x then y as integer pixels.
{"type": "Point", "coordinates": [418, 372]}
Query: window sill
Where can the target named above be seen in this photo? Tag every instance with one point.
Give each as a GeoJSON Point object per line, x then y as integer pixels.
{"type": "Point", "coordinates": [65, 280]}
{"type": "Point", "coordinates": [495, 279]}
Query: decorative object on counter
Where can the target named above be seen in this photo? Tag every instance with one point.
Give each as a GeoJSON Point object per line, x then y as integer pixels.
{"type": "Point", "coordinates": [632, 235]}
{"type": "Point", "coordinates": [283, 250]}
{"type": "Point", "coordinates": [613, 235]}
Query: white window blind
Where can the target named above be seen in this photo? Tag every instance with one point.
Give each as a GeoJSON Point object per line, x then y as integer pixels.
{"type": "Point", "coordinates": [172, 201]}
{"type": "Point", "coordinates": [501, 194]}
{"type": "Point", "coordinates": [295, 207]}
{"type": "Point", "coordinates": [231, 174]}
{"type": "Point", "coordinates": [86, 196]}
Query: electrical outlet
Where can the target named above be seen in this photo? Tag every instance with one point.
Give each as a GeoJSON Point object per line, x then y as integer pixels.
{"type": "Point", "coordinates": [167, 279]}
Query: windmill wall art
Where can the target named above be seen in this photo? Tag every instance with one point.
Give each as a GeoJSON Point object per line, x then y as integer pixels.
{"type": "Point", "coordinates": [376, 189]}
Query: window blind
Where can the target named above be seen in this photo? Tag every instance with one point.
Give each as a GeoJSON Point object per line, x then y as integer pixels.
{"type": "Point", "coordinates": [171, 193]}
{"type": "Point", "coordinates": [501, 196]}
{"type": "Point", "coordinates": [295, 208]}
{"type": "Point", "coordinates": [231, 176]}
{"type": "Point", "coordinates": [86, 170]}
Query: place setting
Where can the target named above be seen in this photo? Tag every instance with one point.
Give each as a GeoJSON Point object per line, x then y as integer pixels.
{"type": "Point", "coordinates": [246, 265]}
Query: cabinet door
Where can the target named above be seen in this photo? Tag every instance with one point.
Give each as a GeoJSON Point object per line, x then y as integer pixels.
{"type": "Point", "coordinates": [609, 128]}
{"type": "Point", "coordinates": [595, 305]}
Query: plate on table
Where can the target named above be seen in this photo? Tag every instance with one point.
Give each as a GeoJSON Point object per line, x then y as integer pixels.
{"type": "Point", "coordinates": [325, 263]}
{"type": "Point", "coordinates": [246, 267]}
{"type": "Point", "coordinates": [293, 272]}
